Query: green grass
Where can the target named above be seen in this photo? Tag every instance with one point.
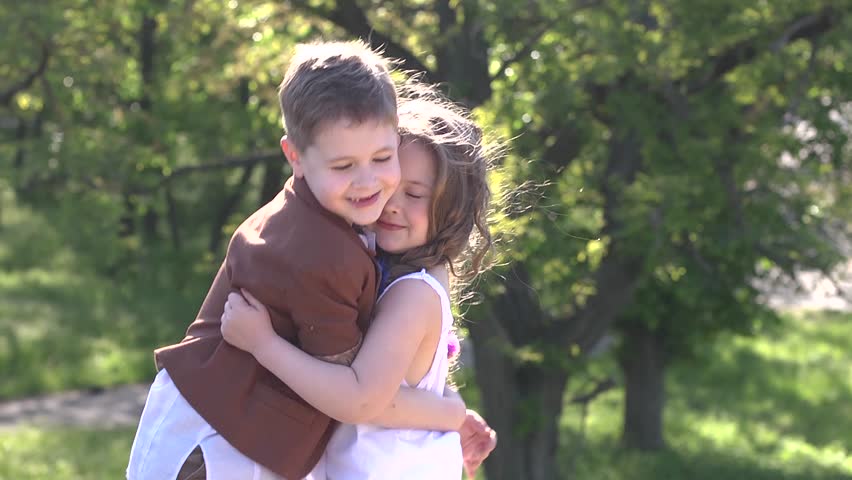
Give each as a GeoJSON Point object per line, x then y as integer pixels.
{"type": "Point", "coordinates": [767, 408]}
{"type": "Point", "coordinates": [62, 330]}
{"type": "Point", "coordinates": [778, 406]}
{"type": "Point", "coordinates": [30, 454]}
{"type": "Point", "coordinates": [63, 326]}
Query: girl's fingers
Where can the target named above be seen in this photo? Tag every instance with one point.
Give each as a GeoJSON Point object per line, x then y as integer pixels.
{"type": "Point", "coordinates": [251, 300]}
{"type": "Point", "coordinates": [236, 300]}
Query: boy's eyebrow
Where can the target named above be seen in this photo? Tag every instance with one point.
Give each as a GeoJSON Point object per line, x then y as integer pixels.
{"type": "Point", "coordinates": [385, 149]}
{"type": "Point", "coordinates": [350, 157]}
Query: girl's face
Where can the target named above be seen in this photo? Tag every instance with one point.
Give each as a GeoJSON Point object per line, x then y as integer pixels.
{"type": "Point", "coordinates": [404, 223]}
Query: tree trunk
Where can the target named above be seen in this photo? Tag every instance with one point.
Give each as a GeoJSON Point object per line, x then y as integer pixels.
{"type": "Point", "coordinates": [227, 206]}
{"type": "Point", "coordinates": [522, 404]}
{"type": "Point", "coordinates": [150, 221]}
{"type": "Point", "coordinates": [127, 221]}
{"type": "Point", "coordinates": [174, 221]}
{"type": "Point", "coordinates": [20, 135]}
{"type": "Point", "coordinates": [643, 363]}
{"type": "Point", "coordinates": [273, 180]}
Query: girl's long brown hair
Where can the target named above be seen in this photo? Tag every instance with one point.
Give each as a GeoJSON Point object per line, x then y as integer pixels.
{"type": "Point", "coordinates": [458, 215]}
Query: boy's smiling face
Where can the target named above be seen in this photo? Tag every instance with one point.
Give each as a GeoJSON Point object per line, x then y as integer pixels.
{"type": "Point", "coordinates": [351, 168]}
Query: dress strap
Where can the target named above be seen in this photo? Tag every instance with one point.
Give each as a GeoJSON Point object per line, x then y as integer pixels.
{"type": "Point", "coordinates": [446, 310]}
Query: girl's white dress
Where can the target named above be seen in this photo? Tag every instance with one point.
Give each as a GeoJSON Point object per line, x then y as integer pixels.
{"type": "Point", "coordinates": [365, 452]}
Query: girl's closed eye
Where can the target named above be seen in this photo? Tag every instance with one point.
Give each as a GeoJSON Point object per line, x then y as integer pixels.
{"type": "Point", "coordinates": [382, 159]}
{"type": "Point", "coordinates": [341, 167]}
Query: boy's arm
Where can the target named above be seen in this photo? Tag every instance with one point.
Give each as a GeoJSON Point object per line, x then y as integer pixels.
{"type": "Point", "coordinates": [353, 394]}
{"type": "Point", "coordinates": [324, 308]}
{"type": "Point", "coordinates": [423, 410]}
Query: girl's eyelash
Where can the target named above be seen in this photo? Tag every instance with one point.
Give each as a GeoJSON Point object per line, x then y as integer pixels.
{"type": "Point", "coordinates": [382, 159]}
{"type": "Point", "coordinates": [341, 167]}
{"type": "Point", "coordinates": [414, 196]}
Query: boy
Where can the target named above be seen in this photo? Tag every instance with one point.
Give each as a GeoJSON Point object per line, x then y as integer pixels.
{"type": "Point", "coordinates": [302, 257]}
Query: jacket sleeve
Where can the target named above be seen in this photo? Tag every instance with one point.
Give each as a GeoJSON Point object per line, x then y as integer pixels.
{"type": "Point", "coordinates": [208, 321]}
{"type": "Point", "coordinates": [324, 309]}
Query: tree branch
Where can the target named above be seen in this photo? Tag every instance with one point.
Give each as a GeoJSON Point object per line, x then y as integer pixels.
{"type": "Point", "coordinates": [841, 291]}
{"type": "Point", "coordinates": [225, 163]}
{"type": "Point", "coordinates": [564, 150]}
{"type": "Point", "coordinates": [533, 39]}
{"type": "Point", "coordinates": [600, 387]}
{"type": "Point", "coordinates": [619, 271]}
{"type": "Point", "coordinates": [7, 95]}
{"type": "Point", "coordinates": [446, 15]}
{"type": "Point", "coordinates": [810, 26]}
{"type": "Point", "coordinates": [352, 18]}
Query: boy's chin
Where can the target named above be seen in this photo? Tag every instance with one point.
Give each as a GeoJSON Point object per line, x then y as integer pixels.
{"type": "Point", "coordinates": [363, 220]}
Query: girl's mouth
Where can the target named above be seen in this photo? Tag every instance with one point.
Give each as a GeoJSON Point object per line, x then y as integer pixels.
{"type": "Point", "coordinates": [388, 226]}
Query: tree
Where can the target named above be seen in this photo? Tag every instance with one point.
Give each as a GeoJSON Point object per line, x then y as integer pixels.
{"type": "Point", "coordinates": [660, 129]}
{"type": "Point", "coordinates": [682, 150]}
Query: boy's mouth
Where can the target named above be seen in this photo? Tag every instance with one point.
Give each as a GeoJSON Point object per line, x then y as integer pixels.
{"type": "Point", "coordinates": [364, 201]}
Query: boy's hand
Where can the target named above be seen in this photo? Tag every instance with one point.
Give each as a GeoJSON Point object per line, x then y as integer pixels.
{"type": "Point", "coordinates": [478, 440]}
{"type": "Point", "coordinates": [246, 323]}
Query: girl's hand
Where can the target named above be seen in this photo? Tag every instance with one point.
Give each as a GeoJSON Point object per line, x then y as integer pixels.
{"type": "Point", "coordinates": [478, 440]}
{"type": "Point", "coordinates": [246, 323]}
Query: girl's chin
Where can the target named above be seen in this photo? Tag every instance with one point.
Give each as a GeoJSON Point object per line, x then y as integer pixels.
{"type": "Point", "coordinates": [392, 249]}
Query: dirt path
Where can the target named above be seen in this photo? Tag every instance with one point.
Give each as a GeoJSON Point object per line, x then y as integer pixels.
{"type": "Point", "coordinates": [115, 407]}
{"type": "Point", "coordinates": [122, 406]}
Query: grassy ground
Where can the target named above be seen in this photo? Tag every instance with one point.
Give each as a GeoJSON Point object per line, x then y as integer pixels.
{"type": "Point", "coordinates": [63, 326]}
{"type": "Point", "coordinates": [770, 408]}
{"type": "Point", "coordinates": [778, 406]}
{"type": "Point", "coordinates": [59, 454]}
{"type": "Point", "coordinates": [774, 407]}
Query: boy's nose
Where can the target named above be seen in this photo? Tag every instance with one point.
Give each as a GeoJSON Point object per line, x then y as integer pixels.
{"type": "Point", "coordinates": [365, 177]}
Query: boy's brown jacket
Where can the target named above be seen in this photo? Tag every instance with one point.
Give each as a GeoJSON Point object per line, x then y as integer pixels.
{"type": "Point", "coordinates": [319, 281]}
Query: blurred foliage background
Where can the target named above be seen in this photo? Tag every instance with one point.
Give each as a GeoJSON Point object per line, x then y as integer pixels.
{"type": "Point", "coordinates": [689, 156]}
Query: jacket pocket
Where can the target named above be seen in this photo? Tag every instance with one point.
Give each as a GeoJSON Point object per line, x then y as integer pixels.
{"type": "Point", "coordinates": [281, 402]}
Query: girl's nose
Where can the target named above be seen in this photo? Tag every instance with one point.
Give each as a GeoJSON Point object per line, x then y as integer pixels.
{"type": "Point", "coordinates": [393, 203]}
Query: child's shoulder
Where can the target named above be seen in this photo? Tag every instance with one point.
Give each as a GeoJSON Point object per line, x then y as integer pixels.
{"type": "Point", "coordinates": [301, 241]}
{"type": "Point", "coordinates": [416, 291]}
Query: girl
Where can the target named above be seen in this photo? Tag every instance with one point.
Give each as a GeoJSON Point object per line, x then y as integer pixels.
{"type": "Point", "coordinates": [435, 220]}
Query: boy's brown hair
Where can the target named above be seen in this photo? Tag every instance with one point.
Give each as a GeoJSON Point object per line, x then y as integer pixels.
{"type": "Point", "coordinates": [329, 81]}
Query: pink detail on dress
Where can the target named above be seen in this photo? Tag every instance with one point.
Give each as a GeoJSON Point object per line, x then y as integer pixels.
{"type": "Point", "coordinates": [453, 345]}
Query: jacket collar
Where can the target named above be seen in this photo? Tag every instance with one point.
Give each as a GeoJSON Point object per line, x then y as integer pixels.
{"type": "Point", "coordinates": [299, 187]}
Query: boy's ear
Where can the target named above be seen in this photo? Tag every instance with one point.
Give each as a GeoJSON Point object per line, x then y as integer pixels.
{"type": "Point", "coordinates": [293, 157]}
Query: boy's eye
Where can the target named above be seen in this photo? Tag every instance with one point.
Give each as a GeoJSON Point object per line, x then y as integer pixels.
{"type": "Point", "coordinates": [382, 159]}
{"type": "Point", "coordinates": [341, 167]}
